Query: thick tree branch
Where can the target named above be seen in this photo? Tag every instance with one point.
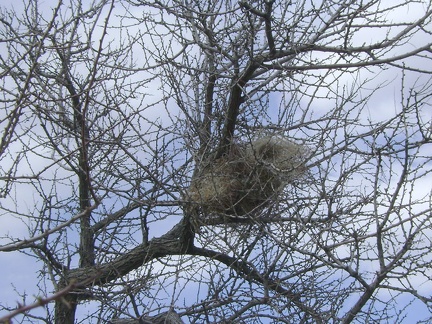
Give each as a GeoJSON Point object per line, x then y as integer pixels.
{"type": "Point", "coordinates": [168, 244]}
{"type": "Point", "coordinates": [235, 100]}
{"type": "Point", "coordinates": [252, 275]}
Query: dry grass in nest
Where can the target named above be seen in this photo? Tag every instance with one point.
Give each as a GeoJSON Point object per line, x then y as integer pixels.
{"type": "Point", "coordinates": [248, 177]}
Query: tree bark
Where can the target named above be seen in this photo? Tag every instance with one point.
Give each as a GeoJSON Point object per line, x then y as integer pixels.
{"type": "Point", "coordinates": [65, 309]}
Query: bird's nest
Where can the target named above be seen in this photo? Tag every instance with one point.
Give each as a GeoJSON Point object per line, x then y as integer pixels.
{"type": "Point", "coordinates": [248, 177]}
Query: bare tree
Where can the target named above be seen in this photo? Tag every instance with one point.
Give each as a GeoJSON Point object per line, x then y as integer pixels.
{"type": "Point", "coordinates": [141, 148]}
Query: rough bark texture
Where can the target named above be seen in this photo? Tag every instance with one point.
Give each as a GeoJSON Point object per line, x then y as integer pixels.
{"type": "Point", "coordinates": [65, 309]}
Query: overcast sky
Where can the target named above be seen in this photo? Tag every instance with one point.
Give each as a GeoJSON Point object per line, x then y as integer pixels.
{"type": "Point", "coordinates": [18, 271]}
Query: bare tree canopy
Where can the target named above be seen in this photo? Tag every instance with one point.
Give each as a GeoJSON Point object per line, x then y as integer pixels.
{"type": "Point", "coordinates": [189, 161]}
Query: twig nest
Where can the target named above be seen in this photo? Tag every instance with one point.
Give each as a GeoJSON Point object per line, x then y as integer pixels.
{"type": "Point", "coordinates": [248, 176]}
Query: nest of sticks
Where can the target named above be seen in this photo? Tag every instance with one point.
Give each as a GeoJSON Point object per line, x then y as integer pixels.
{"type": "Point", "coordinates": [248, 177]}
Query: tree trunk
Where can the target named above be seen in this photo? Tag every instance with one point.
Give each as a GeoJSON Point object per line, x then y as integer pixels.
{"type": "Point", "coordinates": [65, 309]}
